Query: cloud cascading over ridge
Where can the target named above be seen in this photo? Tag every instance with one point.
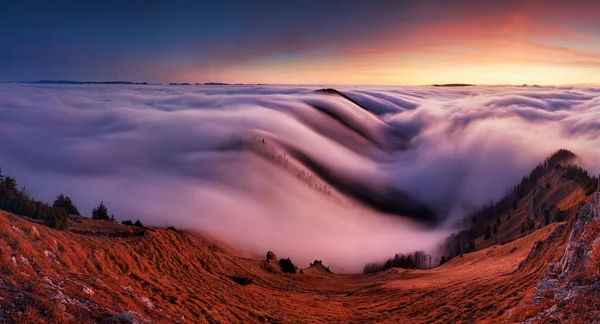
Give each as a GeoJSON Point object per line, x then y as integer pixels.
{"type": "Point", "coordinates": [287, 169]}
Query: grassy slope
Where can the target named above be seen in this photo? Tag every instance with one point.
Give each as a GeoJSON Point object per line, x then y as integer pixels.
{"type": "Point", "coordinates": [98, 269]}
{"type": "Point", "coordinates": [169, 276]}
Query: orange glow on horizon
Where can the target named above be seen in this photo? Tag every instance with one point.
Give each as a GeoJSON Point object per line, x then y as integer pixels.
{"type": "Point", "coordinates": [529, 44]}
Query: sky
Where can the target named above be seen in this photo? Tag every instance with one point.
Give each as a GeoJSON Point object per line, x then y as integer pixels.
{"type": "Point", "coordinates": [303, 42]}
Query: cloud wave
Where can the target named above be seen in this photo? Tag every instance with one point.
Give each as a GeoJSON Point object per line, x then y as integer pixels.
{"type": "Point", "coordinates": [305, 174]}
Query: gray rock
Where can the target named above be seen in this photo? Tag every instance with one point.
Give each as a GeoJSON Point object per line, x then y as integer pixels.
{"type": "Point", "coordinates": [128, 317]}
{"type": "Point", "coordinates": [536, 300]}
{"type": "Point", "coordinates": [574, 260]}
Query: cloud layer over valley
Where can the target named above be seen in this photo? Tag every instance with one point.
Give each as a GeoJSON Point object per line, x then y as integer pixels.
{"type": "Point", "coordinates": [305, 174]}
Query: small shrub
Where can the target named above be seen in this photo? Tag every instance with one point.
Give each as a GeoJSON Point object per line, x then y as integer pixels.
{"type": "Point", "coordinates": [58, 220]}
{"type": "Point", "coordinates": [127, 222]}
{"type": "Point", "coordinates": [241, 280]}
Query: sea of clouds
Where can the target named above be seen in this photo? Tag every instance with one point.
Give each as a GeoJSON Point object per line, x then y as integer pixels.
{"type": "Point", "coordinates": [193, 157]}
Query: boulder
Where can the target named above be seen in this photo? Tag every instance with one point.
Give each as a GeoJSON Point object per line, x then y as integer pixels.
{"type": "Point", "coordinates": [271, 256]}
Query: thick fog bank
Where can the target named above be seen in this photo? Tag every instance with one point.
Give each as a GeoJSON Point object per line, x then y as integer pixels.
{"type": "Point", "coordinates": [305, 174]}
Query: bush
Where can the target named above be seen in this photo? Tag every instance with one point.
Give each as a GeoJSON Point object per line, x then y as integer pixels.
{"type": "Point", "coordinates": [138, 223]}
{"type": "Point", "coordinates": [66, 203]}
{"type": "Point", "coordinates": [241, 280]}
{"type": "Point", "coordinates": [127, 222]}
{"type": "Point", "coordinates": [287, 266]}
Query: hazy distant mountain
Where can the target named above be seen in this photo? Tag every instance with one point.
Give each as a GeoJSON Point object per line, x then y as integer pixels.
{"type": "Point", "coordinates": [454, 85]}
{"type": "Point", "coordinates": [79, 82]}
{"type": "Point", "coordinates": [215, 83]}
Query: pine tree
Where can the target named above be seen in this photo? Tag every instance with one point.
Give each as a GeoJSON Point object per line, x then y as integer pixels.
{"type": "Point", "coordinates": [100, 212]}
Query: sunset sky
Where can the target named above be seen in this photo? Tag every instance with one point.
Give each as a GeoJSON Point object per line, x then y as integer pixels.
{"type": "Point", "coordinates": [302, 42]}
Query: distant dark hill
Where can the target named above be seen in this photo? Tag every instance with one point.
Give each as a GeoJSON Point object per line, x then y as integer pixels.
{"type": "Point", "coordinates": [335, 92]}
{"type": "Point", "coordinates": [398, 138]}
{"type": "Point", "coordinates": [454, 85]}
{"type": "Point", "coordinates": [80, 82]}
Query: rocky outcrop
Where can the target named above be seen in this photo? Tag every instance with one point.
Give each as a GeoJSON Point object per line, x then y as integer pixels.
{"type": "Point", "coordinates": [532, 215]}
{"type": "Point", "coordinates": [128, 317]}
{"type": "Point", "coordinates": [271, 256]}
{"type": "Point", "coordinates": [551, 314]}
{"type": "Point", "coordinates": [562, 280]}
{"type": "Point", "coordinates": [551, 239]}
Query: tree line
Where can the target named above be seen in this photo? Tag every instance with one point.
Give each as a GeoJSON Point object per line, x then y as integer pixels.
{"type": "Point", "coordinates": [19, 202]}
{"type": "Point", "coordinates": [485, 221]}
{"type": "Point", "coordinates": [415, 260]}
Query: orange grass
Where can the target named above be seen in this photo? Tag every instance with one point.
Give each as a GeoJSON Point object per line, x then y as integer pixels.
{"type": "Point", "coordinates": [170, 276]}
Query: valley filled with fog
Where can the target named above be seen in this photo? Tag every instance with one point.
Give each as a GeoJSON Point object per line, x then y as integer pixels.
{"type": "Point", "coordinates": [347, 178]}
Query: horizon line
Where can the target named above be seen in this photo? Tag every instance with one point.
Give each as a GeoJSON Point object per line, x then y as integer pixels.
{"type": "Point", "coordinates": [448, 84]}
